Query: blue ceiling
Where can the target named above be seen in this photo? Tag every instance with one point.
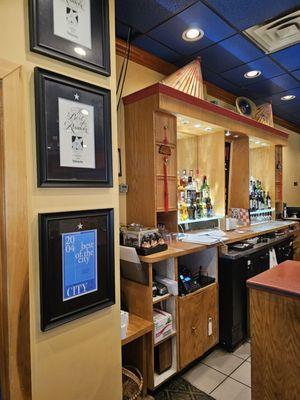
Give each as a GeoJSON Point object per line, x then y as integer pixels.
{"type": "Point", "coordinates": [226, 53]}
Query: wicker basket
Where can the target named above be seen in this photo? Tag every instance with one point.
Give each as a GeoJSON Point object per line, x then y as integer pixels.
{"type": "Point", "coordinates": [132, 383]}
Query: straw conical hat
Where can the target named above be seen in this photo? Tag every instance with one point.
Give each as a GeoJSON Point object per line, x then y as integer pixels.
{"type": "Point", "coordinates": [187, 79]}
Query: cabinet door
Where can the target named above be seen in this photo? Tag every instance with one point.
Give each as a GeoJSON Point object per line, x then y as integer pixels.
{"type": "Point", "coordinates": [165, 125]}
{"type": "Point", "coordinates": [160, 194]}
{"type": "Point", "coordinates": [171, 164]}
{"type": "Point", "coordinates": [196, 312]}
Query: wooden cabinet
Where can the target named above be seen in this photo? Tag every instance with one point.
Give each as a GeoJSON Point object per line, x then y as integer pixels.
{"type": "Point", "coordinates": [165, 128]}
{"type": "Point", "coordinates": [198, 313]}
{"type": "Point", "coordinates": [171, 163]}
{"type": "Point", "coordinates": [148, 131]}
{"type": "Point", "coordinates": [160, 194]}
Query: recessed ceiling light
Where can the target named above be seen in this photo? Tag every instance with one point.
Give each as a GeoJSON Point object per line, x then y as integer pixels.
{"type": "Point", "coordinates": [80, 51]}
{"type": "Point", "coordinates": [227, 133]}
{"type": "Point", "coordinates": [257, 142]}
{"type": "Point", "coordinates": [235, 136]}
{"type": "Point", "coordinates": [192, 34]}
{"type": "Point", "coordinates": [197, 125]}
{"type": "Point", "coordinates": [84, 111]}
{"type": "Point", "coordinates": [288, 97]}
{"type": "Point", "coordinates": [252, 74]}
{"type": "Point", "coordinates": [208, 129]}
{"type": "Point", "coordinates": [185, 122]}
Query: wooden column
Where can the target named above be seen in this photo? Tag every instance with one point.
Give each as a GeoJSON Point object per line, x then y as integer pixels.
{"type": "Point", "coordinates": [275, 338]}
{"type": "Point", "coordinates": [239, 174]}
{"type": "Point", "coordinates": [14, 286]}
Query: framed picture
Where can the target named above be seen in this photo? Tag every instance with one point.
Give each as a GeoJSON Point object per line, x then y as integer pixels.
{"type": "Point", "coordinates": [74, 31]}
{"type": "Point", "coordinates": [73, 131]}
{"type": "Point", "coordinates": [76, 264]}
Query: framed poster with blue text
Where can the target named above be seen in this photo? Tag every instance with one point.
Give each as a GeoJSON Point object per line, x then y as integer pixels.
{"type": "Point", "coordinates": [76, 264]}
{"type": "Point", "coordinates": [73, 132]}
{"type": "Point", "coordinates": [74, 31]}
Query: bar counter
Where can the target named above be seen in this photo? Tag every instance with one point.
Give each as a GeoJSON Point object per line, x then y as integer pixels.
{"type": "Point", "coordinates": [177, 249]}
{"type": "Point", "coordinates": [275, 332]}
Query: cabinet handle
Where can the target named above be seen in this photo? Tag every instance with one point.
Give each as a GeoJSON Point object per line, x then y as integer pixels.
{"type": "Point", "coordinates": [194, 328]}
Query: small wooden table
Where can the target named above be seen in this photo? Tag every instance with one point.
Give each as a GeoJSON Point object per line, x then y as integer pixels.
{"type": "Point", "coordinates": [275, 332]}
{"type": "Point", "coordinates": [136, 345]}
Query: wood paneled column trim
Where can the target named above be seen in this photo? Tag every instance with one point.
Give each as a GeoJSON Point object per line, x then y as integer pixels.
{"type": "Point", "coordinates": [15, 363]}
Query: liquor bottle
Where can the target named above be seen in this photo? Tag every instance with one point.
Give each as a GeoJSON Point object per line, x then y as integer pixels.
{"type": "Point", "coordinates": [197, 181]}
{"type": "Point", "coordinates": [268, 200]}
{"type": "Point", "coordinates": [285, 214]}
{"type": "Point", "coordinates": [208, 207]}
{"type": "Point", "coordinates": [205, 189]}
{"type": "Point", "coordinates": [199, 208]}
{"type": "Point", "coordinates": [264, 199]}
{"type": "Point", "coordinates": [183, 211]}
{"type": "Point", "coordinates": [183, 178]}
{"type": "Point", "coordinates": [190, 209]}
{"type": "Point", "coordinates": [251, 201]}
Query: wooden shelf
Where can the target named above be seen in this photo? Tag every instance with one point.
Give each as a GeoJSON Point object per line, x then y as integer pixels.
{"type": "Point", "coordinates": [158, 299]}
{"type": "Point", "coordinates": [161, 378]}
{"type": "Point", "coordinates": [225, 117]}
{"type": "Point", "coordinates": [137, 327]}
{"type": "Point", "coordinates": [202, 289]}
{"type": "Point", "coordinates": [173, 333]}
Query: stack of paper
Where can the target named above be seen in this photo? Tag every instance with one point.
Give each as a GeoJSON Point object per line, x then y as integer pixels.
{"type": "Point", "coordinates": [205, 237]}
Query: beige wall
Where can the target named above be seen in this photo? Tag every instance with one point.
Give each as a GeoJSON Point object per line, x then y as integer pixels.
{"type": "Point", "coordinates": [291, 170]}
{"type": "Point", "coordinates": [80, 360]}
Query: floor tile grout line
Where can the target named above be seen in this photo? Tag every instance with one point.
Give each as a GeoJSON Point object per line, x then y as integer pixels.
{"type": "Point", "coordinates": [230, 376]}
{"type": "Point", "coordinates": [219, 385]}
{"type": "Point", "coordinates": [217, 369]}
{"type": "Point", "coordinates": [242, 383]}
{"type": "Point", "coordinates": [241, 358]}
{"type": "Point", "coordinates": [223, 372]}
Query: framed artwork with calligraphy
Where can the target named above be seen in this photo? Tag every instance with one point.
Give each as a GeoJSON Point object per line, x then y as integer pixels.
{"type": "Point", "coordinates": [74, 31]}
{"type": "Point", "coordinates": [73, 132]}
{"type": "Point", "coordinates": [76, 264]}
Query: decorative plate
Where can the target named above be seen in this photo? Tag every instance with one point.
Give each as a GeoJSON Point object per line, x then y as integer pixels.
{"type": "Point", "coordinates": [245, 106]}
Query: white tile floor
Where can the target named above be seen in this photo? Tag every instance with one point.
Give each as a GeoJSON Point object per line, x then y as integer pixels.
{"type": "Point", "coordinates": [223, 375]}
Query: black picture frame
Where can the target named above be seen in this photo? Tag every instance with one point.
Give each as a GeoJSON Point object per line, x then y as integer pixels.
{"type": "Point", "coordinates": [54, 93]}
{"type": "Point", "coordinates": [54, 228]}
{"type": "Point", "coordinates": [93, 56]}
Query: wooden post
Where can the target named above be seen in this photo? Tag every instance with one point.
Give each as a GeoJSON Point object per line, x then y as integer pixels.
{"type": "Point", "coordinates": [14, 286]}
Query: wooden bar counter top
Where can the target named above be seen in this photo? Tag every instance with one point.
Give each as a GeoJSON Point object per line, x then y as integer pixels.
{"type": "Point", "coordinates": [284, 279]}
{"type": "Point", "coordinates": [177, 249]}
{"type": "Point", "coordinates": [275, 332]}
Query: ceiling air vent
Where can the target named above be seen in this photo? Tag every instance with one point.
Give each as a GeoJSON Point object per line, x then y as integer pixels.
{"type": "Point", "coordinates": [277, 34]}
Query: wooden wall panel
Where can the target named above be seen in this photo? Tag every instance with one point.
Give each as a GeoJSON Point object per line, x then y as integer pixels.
{"type": "Point", "coordinates": [187, 157]}
{"type": "Point", "coordinates": [15, 332]}
{"type": "Point", "coordinates": [238, 195]}
{"type": "Point", "coordinates": [275, 338]}
{"type": "Point", "coordinates": [211, 160]}
{"type": "Point", "coordinates": [140, 156]}
{"type": "Point", "coordinates": [262, 167]}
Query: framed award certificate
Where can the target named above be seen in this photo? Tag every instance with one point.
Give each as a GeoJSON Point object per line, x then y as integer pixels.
{"type": "Point", "coordinates": [76, 264]}
{"type": "Point", "coordinates": [74, 31]}
{"type": "Point", "coordinates": [73, 132]}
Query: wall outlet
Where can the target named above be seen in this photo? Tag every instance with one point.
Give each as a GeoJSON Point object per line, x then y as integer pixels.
{"type": "Point", "coordinates": [123, 188]}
